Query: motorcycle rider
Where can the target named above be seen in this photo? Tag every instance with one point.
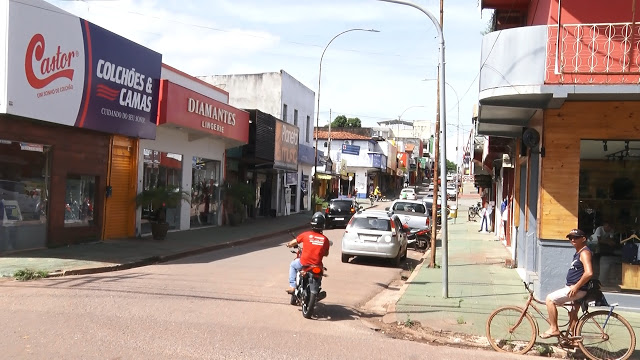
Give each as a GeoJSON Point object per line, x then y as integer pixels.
{"type": "Point", "coordinates": [315, 246]}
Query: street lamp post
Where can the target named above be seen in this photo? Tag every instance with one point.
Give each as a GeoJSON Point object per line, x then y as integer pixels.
{"type": "Point", "coordinates": [443, 143]}
{"type": "Point", "coordinates": [458, 160]}
{"type": "Point", "coordinates": [315, 165]}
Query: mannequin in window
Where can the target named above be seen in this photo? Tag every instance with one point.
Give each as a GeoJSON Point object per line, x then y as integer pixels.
{"type": "Point", "coordinates": [602, 239]}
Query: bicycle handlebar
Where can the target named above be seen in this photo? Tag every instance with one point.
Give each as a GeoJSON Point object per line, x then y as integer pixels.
{"type": "Point", "coordinates": [526, 286]}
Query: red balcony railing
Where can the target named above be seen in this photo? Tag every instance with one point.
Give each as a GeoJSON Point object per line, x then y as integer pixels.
{"type": "Point", "coordinates": [594, 54]}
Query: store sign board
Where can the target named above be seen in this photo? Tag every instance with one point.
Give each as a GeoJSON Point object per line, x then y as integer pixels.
{"type": "Point", "coordinates": [350, 149]}
{"type": "Point", "coordinates": [187, 108]}
{"type": "Point", "coordinates": [286, 149]}
{"type": "Point", "coordinates": [66, 70]}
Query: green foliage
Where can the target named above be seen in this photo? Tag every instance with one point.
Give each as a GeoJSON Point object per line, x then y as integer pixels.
{"type": "Point", "coordinates": [242, 192]}
{"type": "Point", "coordinates": [342, 121]}
{"type": "Point", "coordinates": [451, 166]}
{"type": "Point", "coordinates": [409, 322]}
{"type": "Point", "coordinates": [460, 320]}
{"type": "Point", "coordinates": [160, 198]}
{"type": "Point", "coordinates": [169, 196]}
{"type": "Point", "coordinates": [30, 274]}
{"type": "Point", "coordinates": [544, 350]}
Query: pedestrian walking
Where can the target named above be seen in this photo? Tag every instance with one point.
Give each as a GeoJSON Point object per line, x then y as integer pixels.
{"type": "Point", "coordinates": [485, 214]}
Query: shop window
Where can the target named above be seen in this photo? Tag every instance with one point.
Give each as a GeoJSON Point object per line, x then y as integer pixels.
{"type": "Point", "coordinates": [24, 192]}
{"type": "Point", "coordinates": [609, 205]}
{"type": "Point", "coordinates": [205, 192]}
{"type": "Point", "coordinates": [161, 169]}
{"type": "Point", "coordinates": [308, 129]}
{"type": "Point", "coordinates": [79, 200]}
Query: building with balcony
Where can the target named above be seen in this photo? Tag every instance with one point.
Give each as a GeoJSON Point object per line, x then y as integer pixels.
{"type": "Point", "coordinates": [559, 108]}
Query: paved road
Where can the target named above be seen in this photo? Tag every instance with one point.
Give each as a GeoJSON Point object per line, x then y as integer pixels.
{"type": "Point", "coordinates": [228, 304]}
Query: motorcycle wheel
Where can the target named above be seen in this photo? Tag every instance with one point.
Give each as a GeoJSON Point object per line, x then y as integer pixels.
{"type": "Point", "coordinates": [307, 307]}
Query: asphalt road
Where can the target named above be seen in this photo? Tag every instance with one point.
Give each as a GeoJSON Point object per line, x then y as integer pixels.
{"type": "Point", "coordinates": [228, 304]}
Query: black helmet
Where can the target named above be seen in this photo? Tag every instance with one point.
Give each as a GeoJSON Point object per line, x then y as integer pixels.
{"type": "Point", "coordinates": [317, 221]}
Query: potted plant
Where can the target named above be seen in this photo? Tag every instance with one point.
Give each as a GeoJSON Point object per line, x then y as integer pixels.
{"type": "Point", "coordinates": [318, 203]}
{"type": "Point", "coordinates": [238, 196]}
{"type": "Point", "coordinates": [159, 199]}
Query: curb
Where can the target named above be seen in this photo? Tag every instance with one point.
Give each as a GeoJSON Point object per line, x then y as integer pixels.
{"type": "Point", "coordinates": [165, 258]}
{"type": "Point", "coordinates": [390, 316]}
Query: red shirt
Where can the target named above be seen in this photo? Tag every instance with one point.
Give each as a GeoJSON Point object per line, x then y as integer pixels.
{"type": "Point", "coordinates": [314, 247]}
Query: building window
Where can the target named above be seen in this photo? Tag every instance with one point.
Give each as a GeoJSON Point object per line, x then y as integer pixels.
{"type": "Point", "coordinates": [609, 204]}
{"type": "Point", "coordinates": [24, 193]}
{"type": "Point", "coordinates": [79, 200]}
{"type": "Point", "coordinates": [309, 129]}
{"type": "Point", "coordinates": [161, 169]}
{"type": "Point", "coordinates": [295, 117]}
{"type": "Point", "coordinates": [284, 112]}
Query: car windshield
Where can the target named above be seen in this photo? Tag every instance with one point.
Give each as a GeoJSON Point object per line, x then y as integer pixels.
{"type": "Point", "coordinates": [341, 204]}
{"type": "Point", "coordinates": [402, 206]}
{"type": "Point", "coordinates": [371, 223]}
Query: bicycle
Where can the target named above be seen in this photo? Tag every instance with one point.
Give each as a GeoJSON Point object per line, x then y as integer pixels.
{"type": "Point", "coordinates": [513, 329]}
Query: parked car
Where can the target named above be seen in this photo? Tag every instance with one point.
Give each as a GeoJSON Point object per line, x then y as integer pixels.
{"type": "Point", "coordinates": [431, 186]}
{"type": "Point", "coordinates": [428, 203]}
{"type": "Point", "coordinates": [29, 203]}
{"type": "Point", "coordinates": [339, 212]}
{"type": "Point", "coordinates": [375, 233]}
{"type": "Point", "coordinates": [408, 194]}
{"type": "Point", "coordinates": [452, 192]}
{"type": "Point", "coordinates": [412, 213]}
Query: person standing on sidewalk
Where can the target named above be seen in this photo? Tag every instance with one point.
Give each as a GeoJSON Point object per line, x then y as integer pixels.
{"type": "Point", "coordinates": [484, 213]}
{"type": "Point", "coordinates": [575, 288]}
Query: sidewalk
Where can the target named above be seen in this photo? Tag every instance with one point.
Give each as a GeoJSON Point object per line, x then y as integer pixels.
{"type": "Point", "coordinates": [478, 282]}
{"type": "Point", "coordinates": [113, 255]}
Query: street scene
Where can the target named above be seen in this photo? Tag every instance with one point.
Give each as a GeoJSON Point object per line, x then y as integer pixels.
{"type": "Point", "coordinates": [362, 179]}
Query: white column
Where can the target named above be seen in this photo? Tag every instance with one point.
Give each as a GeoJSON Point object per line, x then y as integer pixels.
{"type": "Point", "coordinates": [187, 181]}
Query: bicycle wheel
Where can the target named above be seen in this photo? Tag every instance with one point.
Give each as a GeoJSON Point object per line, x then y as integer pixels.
{"type": "Point", "coordinates": [502, 339]}
{"type": "Point", "coordinates": [616, 341]}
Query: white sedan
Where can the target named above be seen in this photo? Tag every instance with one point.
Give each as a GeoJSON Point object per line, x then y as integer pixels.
{"type": "Point", "coordinates": [408, 194]}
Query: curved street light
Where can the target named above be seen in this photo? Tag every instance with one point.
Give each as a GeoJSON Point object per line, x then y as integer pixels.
{"type": "Point", "coordinates": [443, 143]}
{"type": "Point", "coordinates": [315, 166]}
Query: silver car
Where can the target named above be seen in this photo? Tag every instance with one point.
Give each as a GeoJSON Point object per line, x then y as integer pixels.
{"type": "Point", "coordinates": [375, 233]}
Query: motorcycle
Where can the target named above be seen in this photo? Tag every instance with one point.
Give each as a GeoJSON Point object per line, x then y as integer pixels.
{"type": "Point", "coordinates": [420, 238]}
{"type": "Point", "coordinates": [372, 198]}
{"type": "Point", "coordinates": [308, 289]}
{"type": "Point", "coordinates": [474, 211]}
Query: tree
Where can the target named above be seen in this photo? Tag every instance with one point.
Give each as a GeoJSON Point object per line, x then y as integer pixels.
{"type": "Point", "coordinates": [342, 121]}
{"type": "Point", "coordinates": [451, 166]}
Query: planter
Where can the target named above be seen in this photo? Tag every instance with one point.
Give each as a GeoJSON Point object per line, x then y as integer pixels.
{"type": "Point", "coordinates": [159, 230]}
{"type": "Point", "coordinates": [317, 207]}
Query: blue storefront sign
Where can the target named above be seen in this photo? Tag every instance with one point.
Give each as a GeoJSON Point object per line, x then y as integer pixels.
{"type": "Point", "coordinates": [306, 154]}
{"type": "Point", "coordinates": [350, 149]}
{"type": "Point", "coordinates": [376, 160]}
{"type": "Point", "coordinates": [66, 70]}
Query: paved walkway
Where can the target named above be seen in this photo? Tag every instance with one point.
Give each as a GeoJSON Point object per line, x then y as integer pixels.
{"type": "Point", "coordinates": [111, 255]}
{"type": "Point", "coordinates": [478, 282]}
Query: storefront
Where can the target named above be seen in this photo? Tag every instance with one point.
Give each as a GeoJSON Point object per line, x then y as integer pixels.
{"type": "Point", "coordinates": [590, 177]}
{"type": "Point", "coordinates": [63, 115]}
{"type": "Point", "coordinates": [195, 128]}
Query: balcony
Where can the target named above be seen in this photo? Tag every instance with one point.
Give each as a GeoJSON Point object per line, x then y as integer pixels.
{"type": "Point", "coordinates": [525, 69]}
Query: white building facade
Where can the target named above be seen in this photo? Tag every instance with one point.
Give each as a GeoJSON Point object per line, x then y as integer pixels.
{"type": "Point", "coordinates": [282, 96]}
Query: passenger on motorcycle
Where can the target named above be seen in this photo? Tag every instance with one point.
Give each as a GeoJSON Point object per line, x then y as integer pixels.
{"type": "Point", "coordinates": [315, 246]}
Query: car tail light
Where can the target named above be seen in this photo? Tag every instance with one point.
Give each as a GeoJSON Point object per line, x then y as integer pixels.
{"type": "Point", "coordinates": [427, 222]}
{"type": "Point", "coordinates": [393, 227]}
{"type": "Point", "coordinates": [353, 210]}
{"type": "Point", "coordinates": [326, 211]}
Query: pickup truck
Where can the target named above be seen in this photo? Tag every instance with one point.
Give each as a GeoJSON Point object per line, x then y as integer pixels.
{"type": "Point", "coordinates": [412, 213]}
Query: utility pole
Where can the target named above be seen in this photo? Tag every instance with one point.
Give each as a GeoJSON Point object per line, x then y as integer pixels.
{"type": "Point", "coordinates": [434, 210]}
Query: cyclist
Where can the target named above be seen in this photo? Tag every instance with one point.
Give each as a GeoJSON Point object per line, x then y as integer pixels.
{"type": "Point", "coordinates": [578, 276]}
{"type": "Point", "coordinates": [315, 246]}
{"type": "Point", "coordinates": [377, 193]}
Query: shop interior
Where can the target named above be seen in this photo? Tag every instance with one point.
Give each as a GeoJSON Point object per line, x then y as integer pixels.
{"type": "Point", "coordinates": [24, 189]}
{"type": "Point", "coordinates": [609, 210]}
{"type": "Point", "coordinates": [161, 169]}
{"type": "Point", "coordinates": [205, 192]}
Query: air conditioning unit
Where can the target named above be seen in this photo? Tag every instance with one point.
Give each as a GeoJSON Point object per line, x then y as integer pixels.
{"type": "Point", "coordinates": [347, 142]}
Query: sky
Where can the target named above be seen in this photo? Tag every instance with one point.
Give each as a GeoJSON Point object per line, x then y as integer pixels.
{"type": "Point", "coordinates": [373, 76]}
